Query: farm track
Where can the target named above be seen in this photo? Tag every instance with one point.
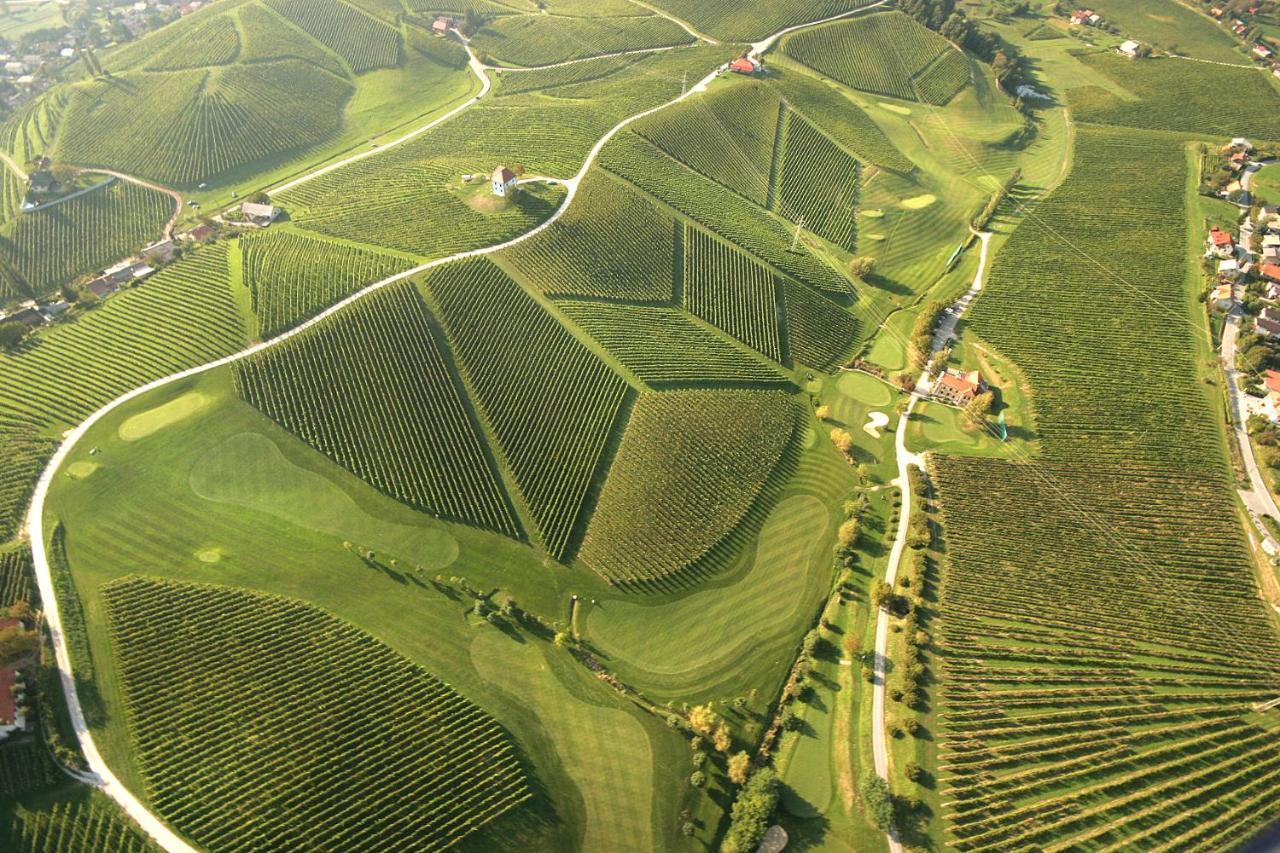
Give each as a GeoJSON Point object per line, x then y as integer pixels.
{"type": "Point", "coordinates": [906, 459]}
{"type": "Point", "coordinates": [101, 774]}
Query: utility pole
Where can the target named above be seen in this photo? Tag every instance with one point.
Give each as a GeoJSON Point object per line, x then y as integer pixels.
{"type": "Point", "coordinates": [795, 243]}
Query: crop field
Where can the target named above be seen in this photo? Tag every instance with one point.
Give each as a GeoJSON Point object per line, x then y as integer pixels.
{"type": "Point", "coordinates": [612, 243]}
{"type": "Point", "coordinates": [822, 105]}
{"type": "Point", "coordinates": [184, 127]}
{"type": "Point", "coordinates": [70, 826]}
{"type": "Point", "coordinates": [819, 184]}
{"type": "Point", "coordinates": [819, 333]}
{"type": "Point", "coordinates": [533, 40]}
{"type": "Point", "coordinates": [15, 576]}
{"type": "Point", "coordinates": [292, 277]}
{"type": "Point", "coordinates": [26, 767]}
{"type": "Point", "coordinates": [1169, 25]}
{"type": "Point", "coordinates": [408, 762]}
{"type": "Point", "coordinates": [551, 403]}
{"type": "Point", "coordinates": [664, 346]}
{"type": "Point", "coordinates": [1103, 595]}
{"type": "Point", "coordinates": [633, 158]}
{"type": "Point", "coordinates": [887, 53]}
{"type": "Point", "coordinates": [138, 336]}
{"type": "Point", "coordinates": [365, 43]}
{"type": "Point", "coordinates": [268, 36]}
{"type": "Point", "coordinates": [52, 247]}
{"type": "Point", "coordinates": [690, 465]}
{"type": "Point", "coordinates": [731, 290]}
{"type": "Point", "coordinates": [728, 136]}
{"type": "Point", "coordinates": [216, 41]}
{"type": "Point", "coordinates": [1180, 96]}
{"type": "Point", "coordinates": [730, 20]}
{"type": "Point", "coordinates": [390, 413]}
{"type": "Point", "coordinates": [549, 79]}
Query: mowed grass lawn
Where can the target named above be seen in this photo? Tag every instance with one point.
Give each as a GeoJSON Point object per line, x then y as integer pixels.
{"type": "Point", "coordinates": [217, 493]}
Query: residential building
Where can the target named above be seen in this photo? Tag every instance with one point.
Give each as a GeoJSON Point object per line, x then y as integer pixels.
{"type": "Point", "coordinates": [161, 251]}
{"type": "Point", "coordinates": [1224, 296]}
{"type": "Point", "coordinates": [1222, 243]}
{"type": "Point", "coordinates": [261, 215]}
{"type": "Point", "coordinates": [1229, 269]}
{"type": "Point", "coordinates": [1129, 48]}
{"type": "Point", "coordinates": [1267, 327]}
{"type": "Point", "coordinates": [1271, 272]}
{"type": "Point", "coordinates": [958, 389]}
{"type": "Point", "coordinates": [746, 65]}
{"type": "Point", "coordinates": [504, 182]}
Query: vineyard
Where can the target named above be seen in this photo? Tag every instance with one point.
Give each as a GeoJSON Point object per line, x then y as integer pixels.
{"type": "Point", "coordinates": [365, 43]}
{"type": "Point", "coordinates": [268, 37]}
{"type": "Point", "coordinates": [731, 290]}
{"type": "Point", "coordinates": [819, 184]}
{"type": "Point", "coordinates": [728, 136]}
{"type": "Point", "coordinates": [532, 40]}
{"type": "Point", "coordinates": [293, 728]}
{"type": "Point", "coordinates": [137, 336]}
{"type": "Point", "coordinates": [15, 576]}
{"type": "Point", "coordinates": [819, 333]}
{"type": "Point", "coordinates": [887, 53]}
{"type": "Point", "coordinates": [734, 20]}
{"type": "Point", "coordinates": [26, 767]}
{"type": "Point", "coordinates": [184, 127]}
{"type": "Point", "coordinates": [548, 79]}
{"type": "Point", "coordinates": [841, 118]}
{"type": "Point", "coordinates": [47, 249]}
{"type": "Point", "coordinates": [70, 826]}
{"type": "Point", "coordinates": [664, 347]}
{"type": "Point", "coordinates": [1103, 635]}
{"type": "Point", "coordinates": [1180, 96]}
{"type": "Point", "coordinates": [552, 404]}
{"type": "Point", "coordinates": [632, 158]}
{"type": "Point", "coordinates": [689, 468]}
{"type": "Point", "coordinates": [373, 391]}
{"type": "Point", "coordinates": [589, 252]}
{"type": "Point", "coordinates": [292, 277]}
{"type": "Point", "coordinates": [215, 42]}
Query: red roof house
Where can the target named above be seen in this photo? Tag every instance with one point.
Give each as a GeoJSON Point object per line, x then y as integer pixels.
{"type": "Point", "coordinates": [1220, 239]}
{"type": "Point", "coordinates": [8, 708]}
{"type": "Point", "coordinates": [1271, 271]}
{"type": "Point", "coordinates": [744, 65]}
{"type": "Point", "coordinates": [1272, 381]}
{"type": "Point", "coordinates": [956, 388]}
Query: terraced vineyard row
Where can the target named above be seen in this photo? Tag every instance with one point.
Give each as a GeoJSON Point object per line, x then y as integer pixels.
{"type": "Point", "coordinates": [26, 767]}
{"type": "Point", "coordinates": [268, 36]}
{"type": "Point", "coordinates": [136, 337]}
{"type": "Point", "coordinates": [820, 333]}
{"type": "Point", "coordinates": [348, 744]}
{"type": "Point", "coordinates": [633, 158]}
{"type": "Point", "coordinates": [664, 347]}
{"type": "Point", "coordinates": [47, 249]}
{"type": "Point", "coordinates": [887, 53]}
{"type": "Point", "coordinates": [70, 827]}
{"type": "Point", "coordinates": [728, 136]}
{"type": "Point", "coordinates": [185, 127]}
{"type": "Point", "coordinates": [363, 41]}
{"type": "Point", "coordinates": [731, 290]}
{"type": "Point", "coordinates": [551, 403]}
{"type": "Point", "coordinates": [292, 277]}
{"type": "Point", "coordinates": [15, 576]}
{"type": "Point", "coordinates": [530, 40]}
{"type": "Point", "coordinates": [690, 465]}
{"type": "Point", "coordinates": [611, 243]}
{"type": "Point", "coordinates": [819, 184]}
{"type": "Point", "coordinates": [372, 390]}
{"type": "Point", "coordinates": [1102, 633]}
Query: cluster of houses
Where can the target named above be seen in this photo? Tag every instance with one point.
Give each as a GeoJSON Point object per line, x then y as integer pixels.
{"type": "Point", "coordinates": [1086, 18]}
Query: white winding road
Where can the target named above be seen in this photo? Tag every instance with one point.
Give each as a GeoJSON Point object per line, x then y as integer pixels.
{"type": "Point", "coordinates": [100, 772]}
{"type": "Point", "coordinates": [906, 460]}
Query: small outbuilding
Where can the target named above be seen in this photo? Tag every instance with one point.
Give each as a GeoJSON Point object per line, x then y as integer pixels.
{"type": "Point", "coordinates": [261, 215]}
{"type": "Point", "coordinates": [1130, 48]}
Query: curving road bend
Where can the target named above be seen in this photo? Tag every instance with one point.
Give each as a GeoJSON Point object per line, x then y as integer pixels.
{"type": "Point", "coordinates": [907, 459]}
{"type": "Point", "coordinates": [100, 772]}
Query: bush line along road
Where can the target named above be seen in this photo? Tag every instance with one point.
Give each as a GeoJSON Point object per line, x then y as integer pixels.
{"type": "Point", "coordinates": [106, 779]}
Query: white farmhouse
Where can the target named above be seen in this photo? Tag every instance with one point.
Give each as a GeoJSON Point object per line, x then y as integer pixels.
{"type": "Point", "coordinates": [504, 182]}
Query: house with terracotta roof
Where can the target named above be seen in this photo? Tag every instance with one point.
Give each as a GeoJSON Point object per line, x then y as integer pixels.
{"type": "Point", "coordinates": [746, 65]}
{"type": "Point", "coordinates": [1221, 243]}
{"type": "Point", "coordinates": [441, 25]}
{"type": "Point", "coordinates": [1271, 272]}
{"type": "Point", "coordinates": [958, 389]}
{"type": "Point", "coordinates": [504, 182]}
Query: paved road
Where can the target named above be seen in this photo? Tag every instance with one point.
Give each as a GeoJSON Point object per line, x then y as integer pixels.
{"type": "Point", "coordinates": [906, 460]}
{"type": "Point", "coordinates": [107, 780]}
{"type": "Point", "coordinates": [1258, 498]}
{"type": "Point", "coordinates": [685, 25]}
{"type": "Point", "coordinates": [507, 69]}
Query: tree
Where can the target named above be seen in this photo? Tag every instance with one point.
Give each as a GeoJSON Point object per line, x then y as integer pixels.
{"type": "Point", "coordinates": [20, 610]}
{"type": "Point", "coordinates": [698, 779]}
{"type": "Point", "coordinates": [12, 334]}
{"type": "Point", "coordinates": [914, 772]}
{"type": "Point", "coordinates": [16, 643]}
{"type": "Point", "coordinates": [823, 412]}
{"type": "Point", "coordinates": [878, 801]}
{"type": "Point", "coordinates": [722, 740]}
{"type": "Point", "coordinates": [979, 408]}
{"type": "Point", "coordinates": [842, 440]}
{"type": "Point", "coordinates": [881, 595]}
{"type": "Point", "coordinates": [863, 266]}
{"type": "Point", "coordinates": [848, 533]}
{"type": "Point", "coordinates": [473, 22]}
{"type": "Point", "coordinates": [739, 768]}
{"type": "Point", "coordinates": [751, 812]}
{"type": "Point", "coordinates": [703, 720]}
{"type": "Point", "coordinates": [561, 640]}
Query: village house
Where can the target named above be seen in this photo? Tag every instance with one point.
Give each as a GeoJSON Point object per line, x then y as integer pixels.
{"type": "Point", "coordinates": [1216, 12]}
{"type": "Point", "coordinates": [504, 182]}
{"type": "Point", "coordinates": [11, 717]}
{"type": "Point", "coordinates": [1268, 323]}
{"type": "Point", "coordinates": [442, 25]}
{"type": "Point", "coordinates": [261, 215]}
{"type": "Point", "coordinates": [131, 269]}
{"type": "Point", "coordinates": [1129, 48]}
{"type": "Point", "coordinates": [1271, 272]}
{"type": "Point", "coordinates": [1262, 51]}
{"type": "Point", "coordinates": [958, 389]}
{"type": "Point", "coordinates": [1225, 295]}
{"type": "Point", "coordinates": [1221, 243]}
{"type": "Point", "coordinates": [27, 313]}
{"type": "Point", "coordinates": [1229, 270]}
{"type": "Point", "coordinates": [1272, 291]}
{"type": "Point", "coordinates": [200, 233]}
{"type": "Point", "coordinates": [746, 65]}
